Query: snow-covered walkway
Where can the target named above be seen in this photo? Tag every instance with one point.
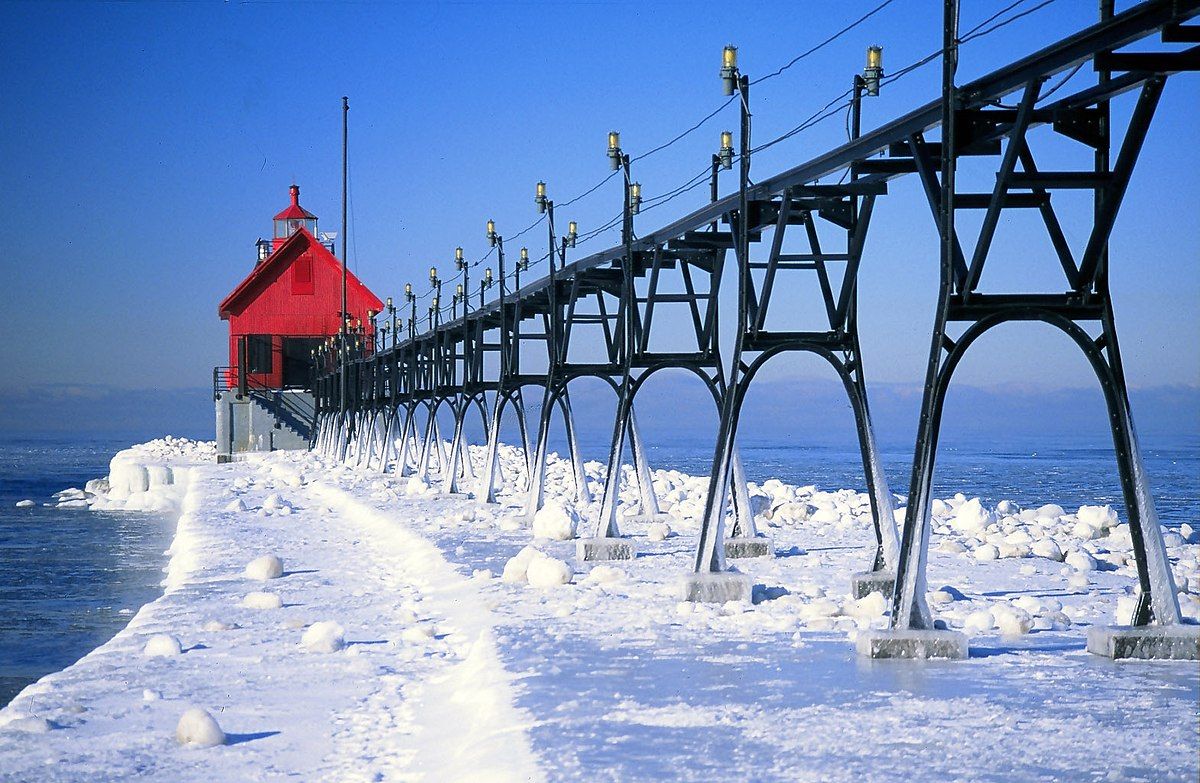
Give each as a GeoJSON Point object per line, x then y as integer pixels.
{"type": "Point", "coordinates": [451, 672]}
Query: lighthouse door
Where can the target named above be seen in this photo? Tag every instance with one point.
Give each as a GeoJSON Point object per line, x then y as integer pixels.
{"type": "Point", "coordinates": [297, 361]}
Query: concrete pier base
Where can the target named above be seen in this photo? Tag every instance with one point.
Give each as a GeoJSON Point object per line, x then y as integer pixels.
{"type": "Point", "coordinates": [1161, 642]}
{"type": "Point", "coordinates": [717, 588]}
{"type": "Point", "coordinates": [758, 546]}
{"type": "Point", "coordinates": [867, 582]}
{"type": "Point", "coordinates": [647, 519]}
{"type": "Point", "coordinates": [593, 549]}
{"type": "Point", "coordinates": [913, 645]}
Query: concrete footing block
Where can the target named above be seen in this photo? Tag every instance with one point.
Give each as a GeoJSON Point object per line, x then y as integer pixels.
{"type": "Point", "coordinates": [593, 549]}
{"type": "Point", "coordinates": [649, 519]}
{"type": "Point", "coordinates": [717, 588]}
{"type": "Point", "coordinates": [913, 645]}
{"type": "Point", "coordinates": [758, 546]}
{"type": "Point", "coordinates": [867, 582]}
{"type": "Point", "coordinates": [1162, 642]}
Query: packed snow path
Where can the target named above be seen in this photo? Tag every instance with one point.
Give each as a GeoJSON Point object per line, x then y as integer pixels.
{"type": "Point", "coordinates": [452, 673]}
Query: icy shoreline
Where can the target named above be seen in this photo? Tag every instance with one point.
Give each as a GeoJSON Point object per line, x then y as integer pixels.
{"type": "Point", "coordinates": [467, 650]}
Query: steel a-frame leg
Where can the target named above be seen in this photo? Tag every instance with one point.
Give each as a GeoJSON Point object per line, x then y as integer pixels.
{"type": "Point", "coordinates": [389, 438]}
{"type": "Point", "coordinates": [881, 577]}
{"type": "Point", "coordinates": [457, 457]}
{"type": "Point", "coordinates": [537, 478]}
{"type": "Point", "coordinates": [606, 542]}
{"type": "Point", "coordinates": [487, 485]}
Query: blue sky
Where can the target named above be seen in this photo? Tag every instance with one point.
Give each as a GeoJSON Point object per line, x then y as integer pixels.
{"type": "Point", "coordinates": [146, 147]}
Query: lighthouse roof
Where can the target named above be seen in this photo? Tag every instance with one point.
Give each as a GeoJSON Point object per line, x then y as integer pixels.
{"type": "Point", "coordinates": [294, 210]}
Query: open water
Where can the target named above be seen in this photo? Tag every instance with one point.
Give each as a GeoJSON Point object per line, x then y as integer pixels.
{"type": "Point", "coordinates": [70, 578]}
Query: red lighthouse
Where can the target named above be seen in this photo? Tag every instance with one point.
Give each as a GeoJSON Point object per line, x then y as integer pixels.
{"type": "Point", "coordinates": [289, 303]}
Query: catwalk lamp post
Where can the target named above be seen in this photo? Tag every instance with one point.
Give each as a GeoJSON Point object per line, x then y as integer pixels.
{"type": "Point", "coordinates": [436, 283]}
{"type": "Point", "coordinates": [461, 265]}
{"type": "Point", "coordinates": [734, 81]}
{"type": "Point", "coordinates": [411, 298]}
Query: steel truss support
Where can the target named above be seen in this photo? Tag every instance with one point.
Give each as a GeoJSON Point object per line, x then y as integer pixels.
{"type": "Point", "coordinates": [1086, 302]}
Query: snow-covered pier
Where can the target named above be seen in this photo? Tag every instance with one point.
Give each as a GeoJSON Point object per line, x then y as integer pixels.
{"type": "Point", "coordinates": [333, 623]}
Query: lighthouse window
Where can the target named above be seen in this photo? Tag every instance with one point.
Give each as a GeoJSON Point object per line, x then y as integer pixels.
{"type": "Point", "coordinates": [259, 352]}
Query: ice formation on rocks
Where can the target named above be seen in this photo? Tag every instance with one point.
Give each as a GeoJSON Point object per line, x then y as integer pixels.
{"type": "Point", "coordinates": [264, 568]}
{"type": "Point", "coordinates": [324, 637]}
{"type": "Point", "coordinates": [162, 645]}
{"type": "Point", "coordinates": [198, 729]}
{"type": "Point", "coordinates": [262, 600]}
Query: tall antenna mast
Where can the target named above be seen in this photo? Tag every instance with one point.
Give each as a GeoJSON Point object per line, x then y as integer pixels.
{"type": "Point", "coordinates": [345, 317]}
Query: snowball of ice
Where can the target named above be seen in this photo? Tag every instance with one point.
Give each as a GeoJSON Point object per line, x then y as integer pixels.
{"type": "Point", "coordinates": [658, 531]}
{"type": "Point", "coordinates": [261, 600]}
{"type": "Point", "coordinates": [939, 508]}
{"type": "Point", "coordinates": [198, 729]}
{"type": "Point", "coordinates": [515, 570]}
{"type": "Point", "coordinates": [264, 568]}
{"type": "Point", "coordinates": [1081, 561]}
{"type": "Point", "coordinates": [416, 486]}
{"type": "Point", "coordinates": [868, 607]}
{"type": "Point", "coordinates": [979, 621]}
{"type": "Point", "coordinates": [25, 503]}
{"type": "Point", "coordinates": [825, 516]}
{"type": "Point", "coordinates": [951, 546]}
{"type": "Point", "coordinates": [1050, 511]}
{"type": "Point", "coordinates": [162, 644]}
{"type": "Point", "coordinates": [219, 625]}
{"type": "Point", "coordinates": [510, 524]}
{"type": "Point", "coordinates": [1078, 581]}
{"type": "Point", "coordinates": [1011, 620]}
{"type": "Point", "coordinates": [324, 637]}
{"type": "Point", "coordinates": [30, 724]}
{"type": "Point", "coordinates": [1171, 538]}
{"type": "Point", "coordinates": [605, 574]}
{"type": "Point", "coordinates": [1086, 531]}
{"type": "Point", "coordinates": [986, 552]}
{"type": "Point", "coordinates": [1101, 517]}
{"type": "Point", "coordinates": [556, 521]}
{"type": "Point", "coordinates": [1189, 533]}
{"type": "Point", "coordinates": [273, 501]}
{"type": "Point", "coordinates": [237, 504]}
{"type": "Point", "coordinates": [546, 571]}
{"type": "Point", "coordinates": [1048, 549]}
{"type": "Point", "coordinates": [149, 694]}
{"type": "Point", "coordinates": [1007, 507]}
{"type": "Point", "coordinates": [972, 517]}
{"type": "Point", "coordinates": [418, 634]}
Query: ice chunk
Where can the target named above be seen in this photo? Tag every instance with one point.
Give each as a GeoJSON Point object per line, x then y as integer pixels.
{"type": "Point", "coordinates": [264, 568]}
{"type": "Point", "coordinates": [556, 521]}
{"type": "Point", "coordinates": [237, 504]}
{"type": "Point", "coordinates": [1050, 511]}
{"type": "Point", "coordinates": [1012, 620]}
{"type": "Point", "coordinates": [25, 504]}
{"type": "Point", "coordinates": [198, 729]}
{"type": "Point", "coordinates": [324, 637]}
{"type": "Point", "coordinates": [30, 724]}
{"type": "Point", "coordinates": [658, 531]}
{"type": "Point", "coordinates": [986, 552]}
{"type": "Point", "coordinates": [517, 567]}
{"type": "Point", "coordinates": [979, 621]}
{"type": "Point", "coordinates": [261, 600]}
{"type": "Point", "coordinates": [972, 517]}
{"type": "Point", "coordinates": [1048, 549]}
{"type": "Point", "coordinates": [162, 645]}
{"type": "Point", "coordinates": [1081, 561]}
{"type": "Point", "coordinates": [546, 571]}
